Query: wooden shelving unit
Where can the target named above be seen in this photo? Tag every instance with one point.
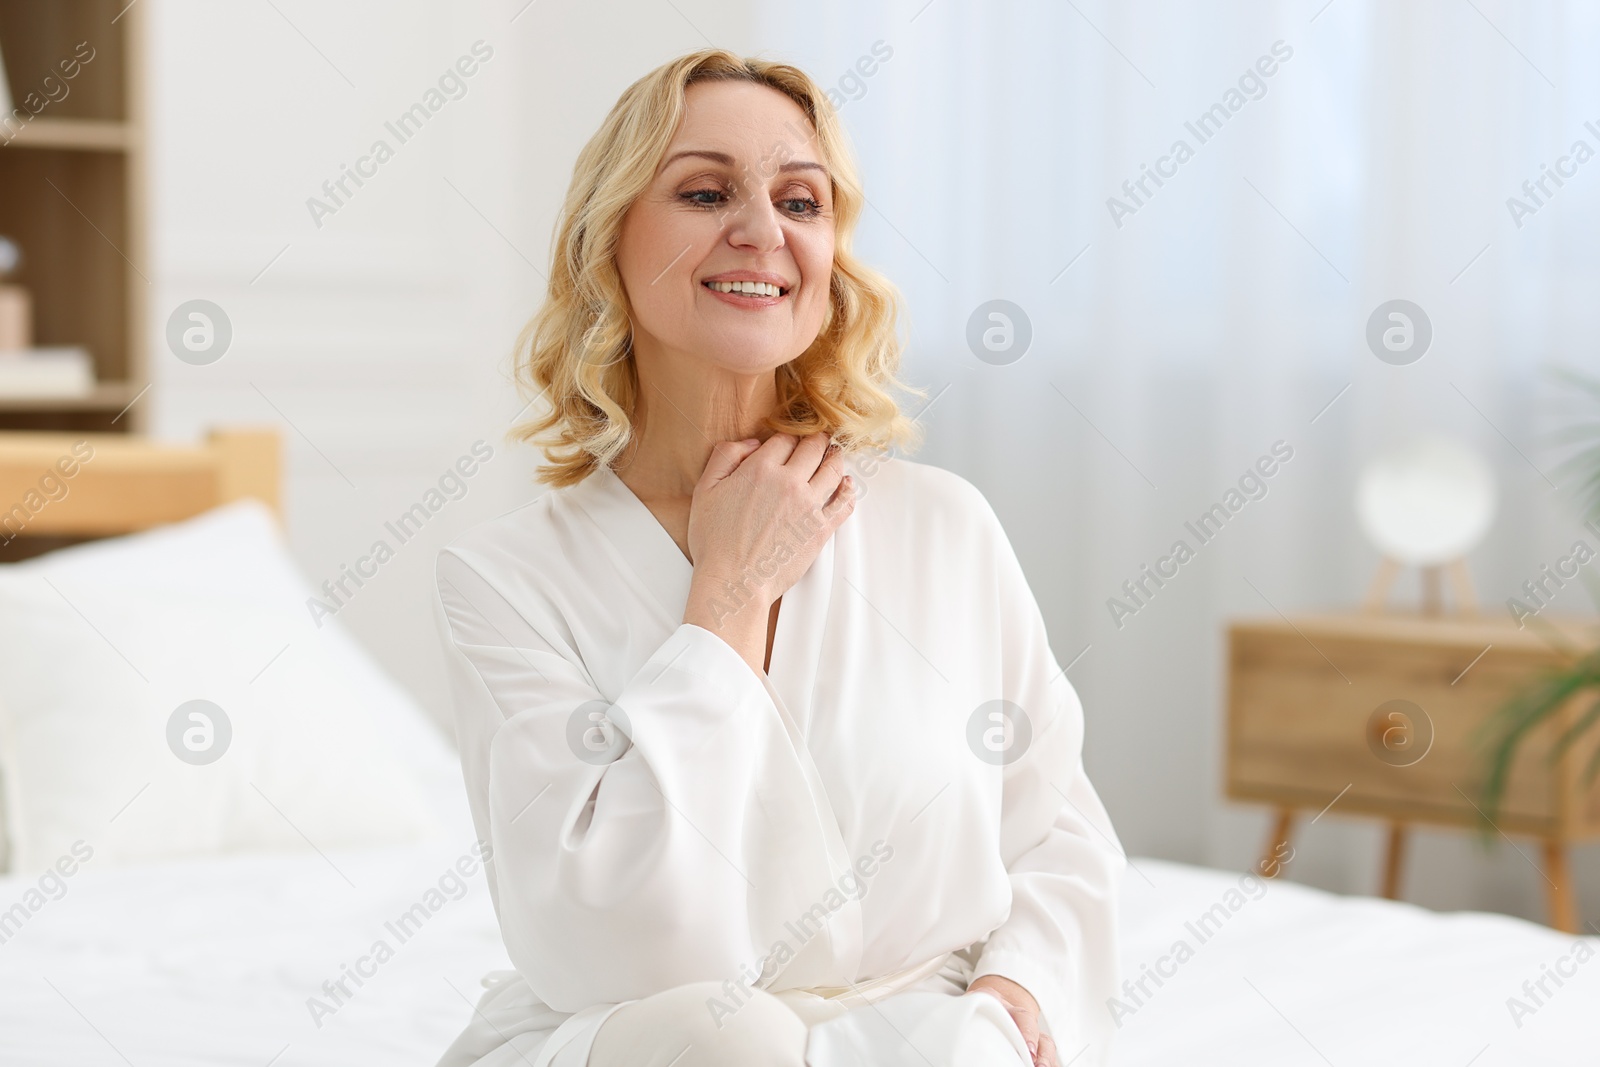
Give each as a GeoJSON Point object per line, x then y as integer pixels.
{"type": "Point", "coordinates": [72, 197]}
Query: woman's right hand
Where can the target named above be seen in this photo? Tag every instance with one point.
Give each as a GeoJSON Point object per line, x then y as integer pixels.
{"type": "Point", "coordinates": [759, 515]}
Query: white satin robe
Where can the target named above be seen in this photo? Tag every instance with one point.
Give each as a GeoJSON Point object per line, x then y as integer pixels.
{"type": "Point", "coordinates": [742, 801]}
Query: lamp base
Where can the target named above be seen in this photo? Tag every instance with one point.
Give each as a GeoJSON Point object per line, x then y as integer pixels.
{"type": "Point", "coordinates": [1433, 580]}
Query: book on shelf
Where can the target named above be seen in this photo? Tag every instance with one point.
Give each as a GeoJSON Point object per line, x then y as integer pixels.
{"type": "Point", "coordinates": [53, 371]}
{"type": "Point", "coordinates": [6, 105]}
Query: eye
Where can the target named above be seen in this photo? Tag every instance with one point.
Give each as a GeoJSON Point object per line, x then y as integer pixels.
{"type": "Point", "coordinates": [808, 207]}
{"type": "Point", "coordinates": [691, 197]}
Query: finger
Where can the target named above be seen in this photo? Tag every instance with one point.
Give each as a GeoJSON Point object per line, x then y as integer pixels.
{"type": "Point", "coordinates": [1028, 1023]}
{"type": "Point", "coordinates": [842, 503]}
{"type": "Point", "coordinates": [808, 453]}
{"type": "Point", "coordinates": [725, 458]}
{"type": "Point", "coordinates": [1047, 1052]}
{"type": "Point", "coordinates": [830, 470]}
{"type": "Point", "coordinates": [779, 447]}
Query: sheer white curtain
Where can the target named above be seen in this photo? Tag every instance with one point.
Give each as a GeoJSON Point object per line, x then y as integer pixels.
{"type": "Point", "coordinates": [1176, 343]}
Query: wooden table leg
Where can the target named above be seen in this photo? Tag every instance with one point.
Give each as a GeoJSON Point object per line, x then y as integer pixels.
{"type": "Point", "coordinates": [1432, 590]}
{"type": "Point", "coordinates": [1271, 860]}
{"type": "Point", "coordinates": [1395, 861]}
{"type": "Point", "coordinates": [1561, 899]}
{"type": "Point", "coordinates": [1378, 591]}
{"type": "Point", "coordinates": [1466, 600]}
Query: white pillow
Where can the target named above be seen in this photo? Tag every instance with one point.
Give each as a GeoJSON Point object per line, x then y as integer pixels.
{"type": "Point", "coordinates": [101, 643]}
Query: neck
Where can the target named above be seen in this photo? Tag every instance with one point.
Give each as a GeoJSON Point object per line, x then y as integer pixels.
{"type": "Point", "coordinates": [683, 409]}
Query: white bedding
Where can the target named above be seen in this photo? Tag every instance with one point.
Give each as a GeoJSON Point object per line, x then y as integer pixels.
{"type": "Point", "coordinates": [212, 962]}
{"type": "Point", "coordinates": [1298, 976]}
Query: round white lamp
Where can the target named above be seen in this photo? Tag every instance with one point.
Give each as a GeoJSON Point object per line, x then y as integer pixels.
{"type": "Point", "coordinates": [1426, 503]}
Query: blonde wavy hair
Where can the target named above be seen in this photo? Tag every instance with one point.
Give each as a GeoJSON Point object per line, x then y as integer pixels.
{"type": "Point", "coordinates": [577, 350]}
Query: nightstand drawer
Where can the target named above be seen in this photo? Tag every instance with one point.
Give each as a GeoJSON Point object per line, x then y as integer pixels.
{"type": "Point", "coordinates": [1388, 710]}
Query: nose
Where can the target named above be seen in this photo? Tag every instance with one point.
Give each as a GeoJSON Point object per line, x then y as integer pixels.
{"type": "Point", "coordinates": [755, 225]}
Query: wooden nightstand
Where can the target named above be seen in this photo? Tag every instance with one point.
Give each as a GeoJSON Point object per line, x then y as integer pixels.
{"type": "Point", "coordinates": [1376, 714]}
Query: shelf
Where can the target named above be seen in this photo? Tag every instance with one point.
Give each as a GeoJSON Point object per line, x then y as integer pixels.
{"type": "Point", "coordinates": [73, 197]}
{"type": "Point", "coordinates": [87, 135]}
{"type": "Point", "coordinates": [107, 396]}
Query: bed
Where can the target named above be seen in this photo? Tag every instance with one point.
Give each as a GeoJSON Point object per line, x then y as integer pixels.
{"type": "Point", "coordinates": [213, 961]}
{"type": "Point", "coordinates": [260, 946]}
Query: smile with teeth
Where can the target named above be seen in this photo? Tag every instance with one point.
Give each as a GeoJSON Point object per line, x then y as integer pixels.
{"type": "Point", "coordinates": [747, 288]}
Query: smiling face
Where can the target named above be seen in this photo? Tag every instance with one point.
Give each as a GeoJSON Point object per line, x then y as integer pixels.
{"type": "Point", "coordinates": [741, 201]}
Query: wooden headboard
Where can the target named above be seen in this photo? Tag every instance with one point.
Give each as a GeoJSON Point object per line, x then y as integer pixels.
{"type": "Point", "coordinates": [62, 487]}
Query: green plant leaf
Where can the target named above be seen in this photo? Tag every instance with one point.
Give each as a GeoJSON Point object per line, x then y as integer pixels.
{"type": "Point", "coordinates": [1529, 706]}
{"type": "Point", "coordinates": [1544, 694]}
{"type": "Point", "coordinates": [1590, 716]}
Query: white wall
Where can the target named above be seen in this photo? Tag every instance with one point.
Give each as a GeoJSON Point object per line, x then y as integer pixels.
{"type": "Point", "coordinates": [379, 341]}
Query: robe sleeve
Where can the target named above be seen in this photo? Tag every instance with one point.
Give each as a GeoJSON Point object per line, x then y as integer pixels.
{"type": "Point", "coordinates": [614, 880]}
{"type": "Point", "coordinates": [1063, 857]}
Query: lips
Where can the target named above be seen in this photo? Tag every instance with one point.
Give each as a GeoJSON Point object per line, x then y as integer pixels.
{"type": "Point", "coordinates": [749, 290]}
{"type": "Point", "coordinates": [736, 279]}
{"type": "Point", "coordinates": [746, 288]}
{"type": "Point", "coordinates": [764, 298]}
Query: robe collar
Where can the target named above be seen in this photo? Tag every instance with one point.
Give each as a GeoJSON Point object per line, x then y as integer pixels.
{"type": "Point", "coordinates": [638, 537]}
{"type": "Point", "coordinates": [649, 551]}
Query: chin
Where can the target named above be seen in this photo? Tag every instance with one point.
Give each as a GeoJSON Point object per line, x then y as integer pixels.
{"type": "Point", "coordinates": [745, 361]}
{"type": "Point", "coordinates": [751, 356]}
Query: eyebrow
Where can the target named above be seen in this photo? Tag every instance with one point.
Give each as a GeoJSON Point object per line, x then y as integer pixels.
{"type": "Point", "coordinates": [727, 161]}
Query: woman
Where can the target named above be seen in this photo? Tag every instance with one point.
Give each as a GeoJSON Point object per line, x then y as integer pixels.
{"type": "Point", "coordinates": [775, 760]}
